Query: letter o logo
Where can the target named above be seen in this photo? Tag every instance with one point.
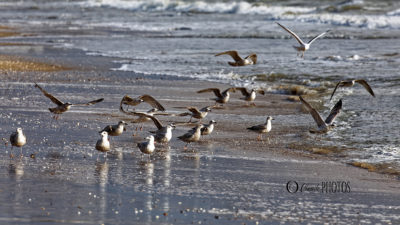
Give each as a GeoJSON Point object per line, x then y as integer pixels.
{"type": "Point", "coordinates": [292, 186]}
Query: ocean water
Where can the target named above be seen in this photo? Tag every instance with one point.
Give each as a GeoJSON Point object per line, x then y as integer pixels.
{"type": "Point", "coordinates": [178, 39]}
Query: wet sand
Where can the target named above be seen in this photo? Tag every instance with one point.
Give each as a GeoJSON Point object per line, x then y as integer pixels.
{"type": "Point", "coordinates": [228, 177]}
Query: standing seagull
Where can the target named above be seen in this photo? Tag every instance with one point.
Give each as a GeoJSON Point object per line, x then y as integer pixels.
{"type": "Point", "coordinates": [61, 106]}
{"type": "Point", "coordinates": [222, 97]}
{"type": "Point", "coordinates": [147, 147]}
{"type": "Point", "coordinates": [126, 100]}
{"type": "Point", "coordinates": [103, 144]}
{"type": "Point", "coordinates": [350, 83]}
{"type": "Point", "coordinates": [262, 128]}
{"type": "Point", "coordinates": [327, 125]}
{"type": "Point", "coordinates": [208, 128]}
{"type": "Point", "coordinates": [164, 133]}
{"type": "Point", "coordinates": [18, 139]}
{"type": "Point", "coordinates": [303, 46]}
{"type": "Point", "coordinates": [195, 113]}
{"type": "Point", "coordinates": [192, 135]}
{"type": "Point", "coordinates": [115, 130]}
{"type": "Point", "coordinates": [249, 96]}
{"type": "Point", "coordinates": [249, 60]}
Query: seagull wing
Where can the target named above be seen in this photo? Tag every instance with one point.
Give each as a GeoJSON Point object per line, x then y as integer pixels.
{"type": "Point", "coordinates": [233, 54]}
{"type": "Point", "coordinates": [366, 86]}
{"type": "Point", "coordinates": [51, 97]}
{"type": "Point", "coordinates": [313, 112]}
{"type": "Point", "coordinates": [194, 110]}
{"type": "Point", "coordinates": [149, 99]}
{"type": "Point", "coordinates": [215, 90]}
{"type": "Point", "coordinates": [261, 92]}
{"type": "Point", "coordinates": [155, 120]}
{"type": "Point", "coordinates": [318, 36]}
{"type": "Point", "coordinates": [337, 85]}
{"type": "Point", "coordinates": [91, 102]}
{"type": "Point", "coordinates": [243, 90]}
{"type": "Point", "coordinates": [334, 112]}
{"type": "Point", "coordinates": [292, 33]}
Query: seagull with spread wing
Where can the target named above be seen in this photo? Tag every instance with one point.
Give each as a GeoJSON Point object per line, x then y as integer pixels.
{"type": "Point", "coordinates": [196, 113]}
{"type": "Point", "coordinates": [303, 46]}
{"type": "Point", "coordinates": [350, 83]}
{"type": "Point", "coordinates": [126, 100]}
{"type": "Point", "coordinates": [249, 96]}
{"type": "Point", "coordinates": [327, 125]}
{"type": "Point", "coordinates": [163, 133]}
{"type": "Point", "coordinates": [61, 106]}
{"type": "Point", "coordinates": [221, 97]}
{"type": "Point", "coordinates": [239, 61]}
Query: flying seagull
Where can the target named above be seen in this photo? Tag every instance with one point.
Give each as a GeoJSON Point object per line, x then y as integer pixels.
{"type": "Point", "coordinates": [249, 96]}
{"type": "Point", "coordinates": [303, 46]}
{"type": "Point", "coordinates": [350, 83]}
{"type": "Point", "coordinates": [221, 97]}
{"type": "Point", "coordinates": [249, 60]}
{"type": "Point", "coordinates": [61, 106]}
{"type": "Point", "coordinates": [126, 100]}
{"type": "Point", "coordinates": [327, 125]}
{"type": "Point", "coordinates": [196, 113]}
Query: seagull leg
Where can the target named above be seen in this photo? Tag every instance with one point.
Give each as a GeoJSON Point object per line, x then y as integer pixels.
{"type": "Point", "coordinates": [302, 55]}
{"type": "Point", "coordinates": [11, 154]}
{"type": "Point", "coordinates": [259, 137]}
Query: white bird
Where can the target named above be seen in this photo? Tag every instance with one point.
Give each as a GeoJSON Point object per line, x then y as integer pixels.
{"type": "Point", "coordinates": [262, 128]}
{"type": "Point", "coordinates": [18, 139]}
{"type": "Point", "coordinates": [103, 144]}
{"type": "Point", "coordinates": [350, 83]}
{"type": "Point", "coordinates": [147, 147]}
{"type": "Point", "coordinates": [327, 125]}
{"type": "Point", "coordinates": [208, 128]}
{"type": "Point", "coordinates": [303, 46]}
{"type": "Point", "coordinates": [115, 130]}
{"type": "Point", "coordinates": [192, 135]}
{"type": "Point", "coordinates": [163, 133]}
{"type": "Point", "coordinates": [249, 96]}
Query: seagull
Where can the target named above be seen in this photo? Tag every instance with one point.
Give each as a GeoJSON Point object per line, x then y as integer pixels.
{"type": "Point", "coordinates": [249, 60]}
{"type": "Point", "coordinates": [192, 135]}
{"type": "Point", "coordinates": [18, 139]}
{"type": "Point", "coordinates": [126, 100]}
{"type": "Point", "coordinates": [350, 83]}
{"type": "Point", "coordinates": [327, 125]}
{"type": "Point", "coordinates": [303, 46]}
{"type": "Point", "coordinates": [262, 128]}
{"type": "Point", "coordinates": [249, 97]}
{"type": "Point", "coordinates": [61, 106]}
{"type": "Point", "coordinates": [164, 133]}
{"type": "Point", "coordinates": [195, 113]}
{"type": "Point", "coordinates": [147, 147]}
{"type": "Point", "coordinates": [208, 128]}
{"type": "Point", "coordinates": [143, 117]}
{"type": "Point", "coordinates": [103, 145]}
{"type": "Point", "coordinates": [222, 97]}
{"type": "Point", "coordinates": [115, 130]}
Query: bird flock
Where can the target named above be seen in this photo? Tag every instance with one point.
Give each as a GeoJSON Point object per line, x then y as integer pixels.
{"type": "Point", "coordinates": [163, 134]}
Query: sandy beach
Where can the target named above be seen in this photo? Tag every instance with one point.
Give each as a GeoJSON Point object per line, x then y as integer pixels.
{"type": "Point", "coordinates": [227, 177]}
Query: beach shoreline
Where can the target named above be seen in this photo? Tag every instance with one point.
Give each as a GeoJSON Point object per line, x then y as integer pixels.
{"type": "Point", "coordinates": [246, 179]}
